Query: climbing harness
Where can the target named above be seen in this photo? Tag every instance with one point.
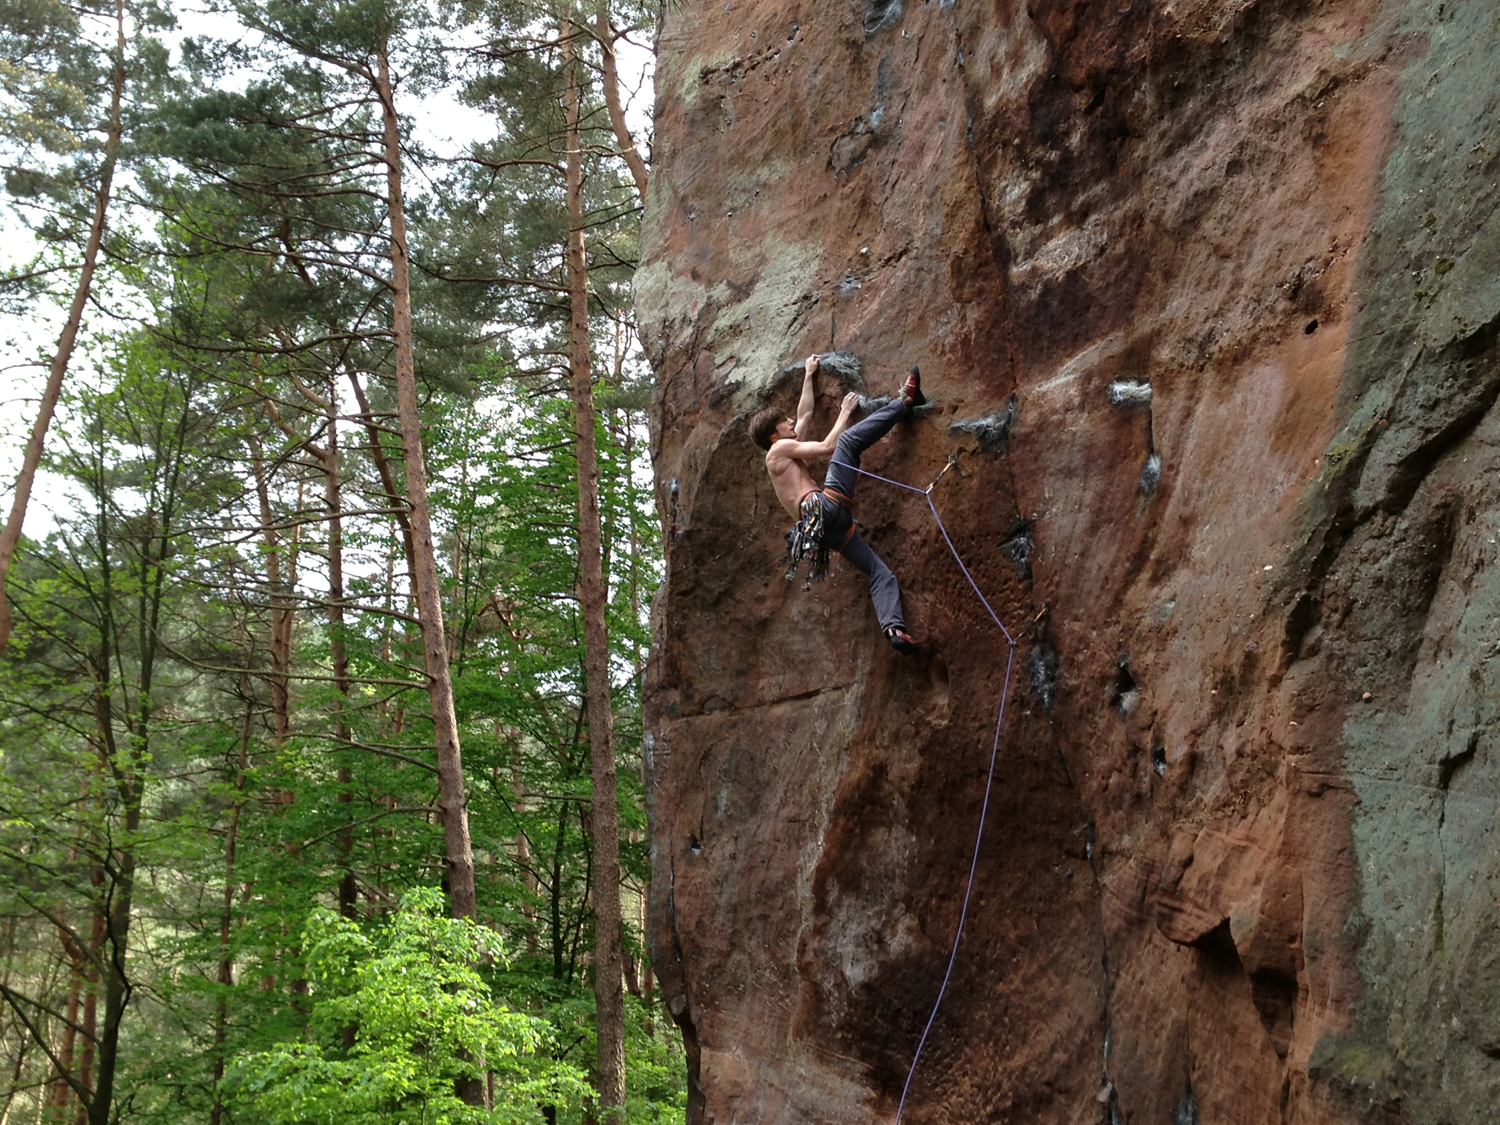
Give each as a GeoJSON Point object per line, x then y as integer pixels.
{"type": "Point", "coordinates": [805, 541]}
{"type": "Point", "coordinates": [809, 538]}
{"type": "Point", "coordinates": [1010, 662]}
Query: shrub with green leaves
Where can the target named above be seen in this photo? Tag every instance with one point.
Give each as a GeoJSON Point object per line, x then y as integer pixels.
{"type": "Point", "coordinates": [422, 1018]}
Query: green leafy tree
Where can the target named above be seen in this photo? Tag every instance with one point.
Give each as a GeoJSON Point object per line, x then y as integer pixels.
{"type": "Point", "coordinates": [237, 458]}
{"type": "Point", "coordinates": [426, 1021]}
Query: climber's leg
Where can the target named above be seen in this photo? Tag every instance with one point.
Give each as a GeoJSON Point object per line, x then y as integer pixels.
{"type": "Point", "coordinates": [885, 592]}
{"type": "Point", "coordinates": [858, 438]}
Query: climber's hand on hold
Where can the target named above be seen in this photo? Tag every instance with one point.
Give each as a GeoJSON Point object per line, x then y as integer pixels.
{"type": "Point", "coordinates": [808, 401]}
{"type": "Point", "coordinates": [826, 446]}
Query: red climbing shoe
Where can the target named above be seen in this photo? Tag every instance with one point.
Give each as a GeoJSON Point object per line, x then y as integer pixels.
{"type": "Point", "coordinates": [911, 390]}
{"type": "Point", "coordinates": [901, 640]}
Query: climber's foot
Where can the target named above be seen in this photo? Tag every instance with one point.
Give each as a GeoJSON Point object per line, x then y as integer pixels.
{"type": "Point", "coordinates": [901, 640]}
{"type": "Point", "coordinates": [911, 390]}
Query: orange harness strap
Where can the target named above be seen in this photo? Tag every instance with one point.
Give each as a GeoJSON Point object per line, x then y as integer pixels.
{"type": "Point", "coordinates": [839, 498]}
{"type": "Point", "coordinates": [843, 502]}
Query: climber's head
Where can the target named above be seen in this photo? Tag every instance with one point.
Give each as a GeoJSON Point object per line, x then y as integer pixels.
{"type": "Point", "coordinates": [765, 427]}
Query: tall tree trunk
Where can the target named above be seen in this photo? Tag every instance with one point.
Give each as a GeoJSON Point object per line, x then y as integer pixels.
{"type": "Point", "coordinates": [328, 457]}
{"type": "Point", "coordinates": [633, 159]}
{"type": "Point", "coordinates": [113, 926]}
{"type": "Point", "coordinates": [383, 467]}
{"type": "Point", "coordinates": [338, 652]}
{"type": "Point", "coordinates": [608, 998]}
{"type": "Point", "coordinates": [529, 884]}
{"type": "Point", "coordinates": [555, 893]}
{"type": "Point", "coordinates": [639, 664]}
{"type": "Point", "coordinates": [130, 767]}
{"type": "Point", "coordinates": [77, 958]}
{"type": "Point", "coordinates": [10, 535]}
{"type": "Point", "coordinates": [460, 855]}
{"type": "Point", "coordinates": [61, 1089]}
{"type": "Point", "coordinates": [15, 1077]}
{"type": "Point", "coordinates": [114, 930]}
{"type": "Point", "coordinates": [117, 986]}
{"type": "Point", "coordinates": [282, 614]}
{"type": "Point", "coordinates": [98, 927]}
{"type": "Point", "coordinates": [97, 930]}
{"type": "Point", "coordinates": [226, 914]}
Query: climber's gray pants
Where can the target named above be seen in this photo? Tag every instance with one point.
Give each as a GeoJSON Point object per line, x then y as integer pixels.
{"type": "Point", "coordinates": [884, 590]}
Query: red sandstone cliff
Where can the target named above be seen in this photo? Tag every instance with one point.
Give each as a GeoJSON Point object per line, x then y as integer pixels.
{"type": "Point", "coordinates": [1242, 861]}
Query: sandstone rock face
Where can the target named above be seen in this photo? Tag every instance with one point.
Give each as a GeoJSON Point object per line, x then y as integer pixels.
{"type": "Point", "coordinates": [1242, 861]}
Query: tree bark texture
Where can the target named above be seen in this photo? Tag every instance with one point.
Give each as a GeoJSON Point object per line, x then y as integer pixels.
{"type": "Point", "coordinates": [328, 457]}
{"type": "Point", "coordinates": [10, 535]}
{"type": "Point", "coordinates": [608, 996]}
{"type": "Point", "coordinates": [460, 856]}
{"type": "Point", "coordinates": [283, 616]}
{"type": "Point", "coordinates": [383, 467]}
{"type": "Point", "coordinates": [60, 1087]}
{"type": "Point", "coordinates": [633, 159]}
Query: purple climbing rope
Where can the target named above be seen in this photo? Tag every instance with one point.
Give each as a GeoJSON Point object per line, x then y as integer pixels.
{"type": "Point", "coordinates": [989, 781]}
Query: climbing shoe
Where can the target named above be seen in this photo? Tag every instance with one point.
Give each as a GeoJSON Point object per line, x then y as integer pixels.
{"type": "Point", "coordinates": [901, 640]}
{"type": "Point", "coordinates": [911, 390]}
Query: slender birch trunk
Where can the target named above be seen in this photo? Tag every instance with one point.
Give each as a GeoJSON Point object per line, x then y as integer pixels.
{"type": "Point", "coordinates": [460, 855]}
{"type": "Point", "coordinates": [10, 535]}
{"type": "Point", "coordinates": [608, 997]}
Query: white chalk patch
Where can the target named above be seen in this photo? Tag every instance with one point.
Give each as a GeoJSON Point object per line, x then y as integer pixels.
{"type": "Point", "coordinates": [1084, 361]}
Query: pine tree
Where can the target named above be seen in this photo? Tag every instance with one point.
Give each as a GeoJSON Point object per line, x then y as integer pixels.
{"type": "Point", "coordinates": [287, 759]}
{"type": "Point", "coordinates": [52, 78]}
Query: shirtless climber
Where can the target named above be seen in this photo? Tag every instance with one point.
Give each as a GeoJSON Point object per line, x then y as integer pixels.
{"type": "Point", "coordinates": [825, 517]}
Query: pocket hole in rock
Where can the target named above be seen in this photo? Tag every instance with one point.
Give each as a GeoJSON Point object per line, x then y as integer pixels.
{"type": "Point", "coordinates": [1126, 695]}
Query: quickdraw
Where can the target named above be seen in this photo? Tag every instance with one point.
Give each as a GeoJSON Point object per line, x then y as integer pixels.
{"type": "Point", "coordinates": [805, 542]}
{"type": "Point", "coordinates": [808, 540]}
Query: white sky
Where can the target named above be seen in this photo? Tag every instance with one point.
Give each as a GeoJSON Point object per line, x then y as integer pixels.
{"type": "Point", "coordinates": [442, 122]}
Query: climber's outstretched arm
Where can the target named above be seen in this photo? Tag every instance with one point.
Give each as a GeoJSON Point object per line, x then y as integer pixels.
{"type": "Point", "coordinates": [808, 400]}
{"type": "Point", "coordinates": [816, 450]}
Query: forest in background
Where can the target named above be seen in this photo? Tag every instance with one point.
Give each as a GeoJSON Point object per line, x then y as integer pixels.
{"type": "Point", "coordinates": [320, 748]}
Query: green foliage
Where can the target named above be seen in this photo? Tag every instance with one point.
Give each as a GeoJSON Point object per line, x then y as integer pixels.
{"type": "Point", "coordinates": [57, 67]}
{"type": "Point", "coordinates": [45, 74]}
{"type": "Point", "coordinates": [192, 723]}
{"type": "Point", "coordinates": [422, 1018]}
